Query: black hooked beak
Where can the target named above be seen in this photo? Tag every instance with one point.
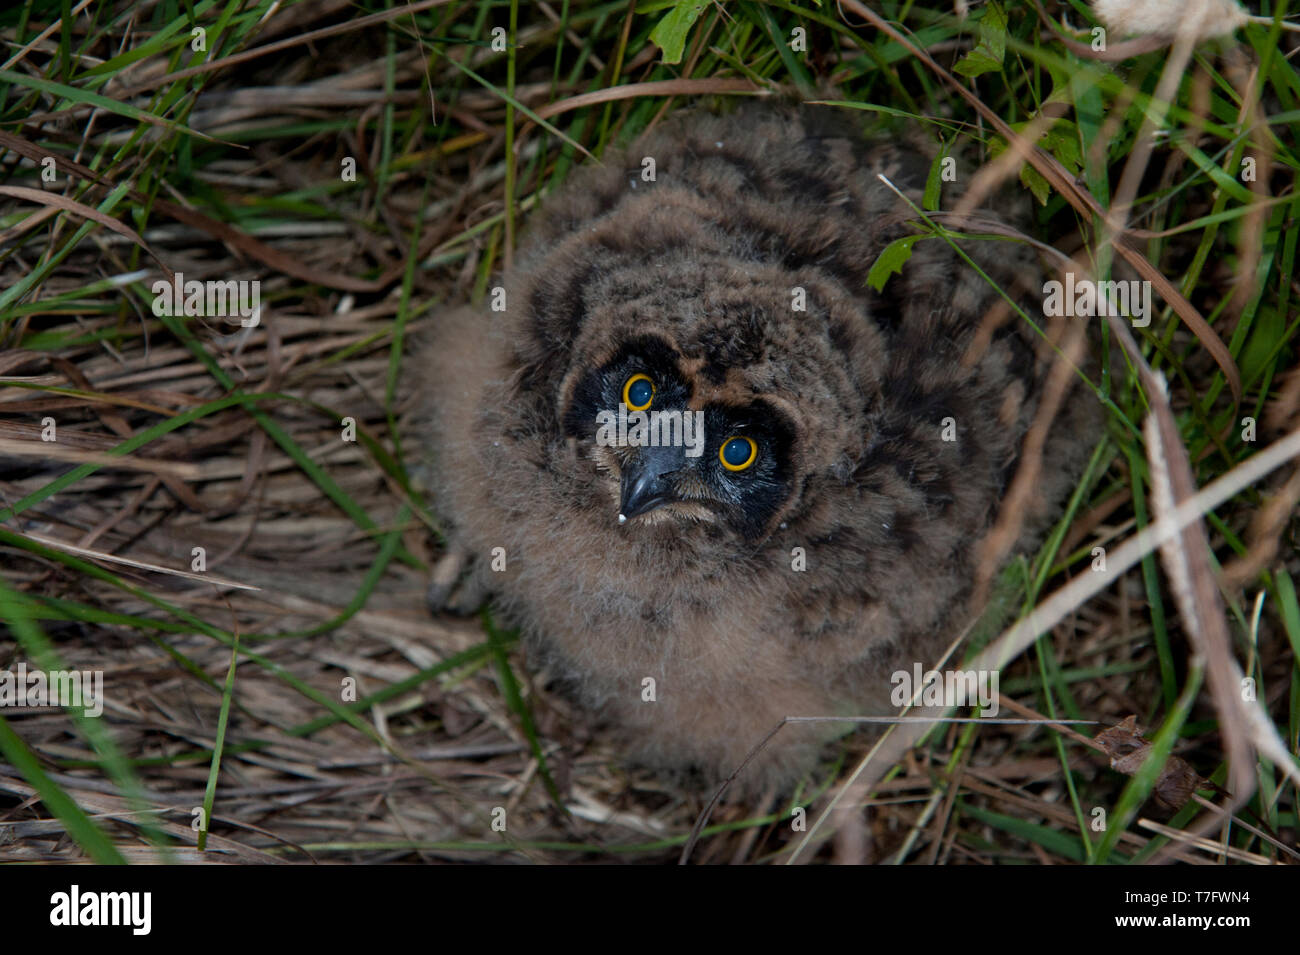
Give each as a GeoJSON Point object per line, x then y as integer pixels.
{"type": "Point", "coordinates": [644, 487]}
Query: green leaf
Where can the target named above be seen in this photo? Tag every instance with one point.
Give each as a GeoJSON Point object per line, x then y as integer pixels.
{"type": "Point", "coordinates": [669, 33]}
{"type": "Point", "coordinates": [992, 47]}
{"type": "Point", "coordinates": [1035, 183]}
{"type": "Point", "coordinates": [975, 63]}
{"type": "Point", "coordinates": [891, 260]}
{"type": "Point", "coordinates": [78, 825]}
{"type": "Point", "coordinates": [515, 701]}
{"type": "Point", "coordinates": [1050, 839]}
{"type": "Point", "coordinates": [214, 769]}
{"type": "Point", "coordinates": [101, 102]}
{"type": "Point", "coordinates": [1266, 335]}
{"type": "Point", "coordinates": [1061, 140]}
{"type": "Point", "coordinates": [1290, 608]}
{"type": "Point", "coordinates": [87, 834]}
{"type": "Point", "coordinates": [934, 182]}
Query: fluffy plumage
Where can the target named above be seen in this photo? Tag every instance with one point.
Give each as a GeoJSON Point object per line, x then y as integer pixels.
{"type": "Point", "coordinates": [794, 588]}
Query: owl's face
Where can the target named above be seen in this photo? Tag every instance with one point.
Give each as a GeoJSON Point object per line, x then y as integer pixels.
{"type": "Point", "coordinates": [670, 450]}
{"type": "Point", "coordinates": [761, 404]}
{"type": "Point", "coordinates": [654, 297]}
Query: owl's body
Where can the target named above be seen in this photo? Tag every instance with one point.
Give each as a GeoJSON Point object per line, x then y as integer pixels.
{"type": "Point", "coordinates": [883, 430]}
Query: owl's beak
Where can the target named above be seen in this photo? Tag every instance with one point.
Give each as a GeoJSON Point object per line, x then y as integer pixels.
{"type": "Point", "coordinates": [644, 487]}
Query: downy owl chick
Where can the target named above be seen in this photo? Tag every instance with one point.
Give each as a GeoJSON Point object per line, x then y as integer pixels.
{"type": "Point", "coordinates": [800, 518]}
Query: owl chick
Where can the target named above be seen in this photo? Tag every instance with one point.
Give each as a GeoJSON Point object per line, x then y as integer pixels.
{"type": "Point", "coordinates": [713, 477]}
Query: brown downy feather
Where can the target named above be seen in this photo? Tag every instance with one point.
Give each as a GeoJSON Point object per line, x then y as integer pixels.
{"type": "Point", "coordinates": [707, 598]}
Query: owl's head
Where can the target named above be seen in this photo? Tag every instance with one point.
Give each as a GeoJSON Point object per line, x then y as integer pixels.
{"type": "Point", "coordinates": [708, 395]}
{"type": "Point", "coordinates": [703, 344]}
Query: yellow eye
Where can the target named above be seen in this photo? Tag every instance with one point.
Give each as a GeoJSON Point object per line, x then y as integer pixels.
{"type": "Point", "coordinates": [638, 392]}
{"type": "Point", "coordinates": [737, 452]}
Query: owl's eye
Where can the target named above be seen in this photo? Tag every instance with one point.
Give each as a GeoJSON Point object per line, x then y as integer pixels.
{"type": "Point", "coordinates": [638, 392]}
{"type": "Point", "coordinates": [737, 452]}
